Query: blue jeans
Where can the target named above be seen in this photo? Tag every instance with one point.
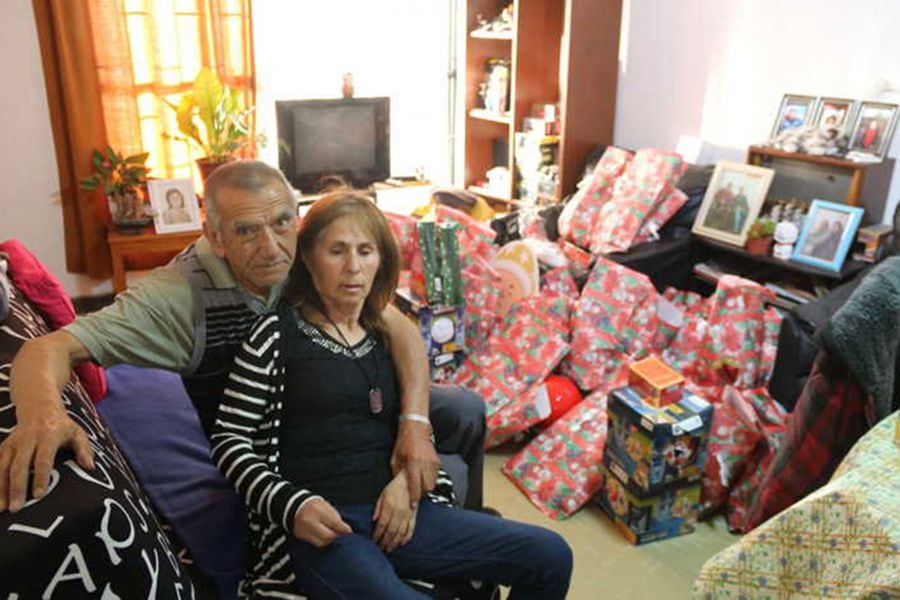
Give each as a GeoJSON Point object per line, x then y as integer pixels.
{"type": "Point", "coordinates": [449, 543]}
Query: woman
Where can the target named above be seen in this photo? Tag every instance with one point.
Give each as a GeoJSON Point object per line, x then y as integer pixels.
{"type": "Point", "coordinates": [308, 422]}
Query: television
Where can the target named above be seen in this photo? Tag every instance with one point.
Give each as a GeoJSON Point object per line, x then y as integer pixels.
{"type": "Point", "coordinates": [320, 139]}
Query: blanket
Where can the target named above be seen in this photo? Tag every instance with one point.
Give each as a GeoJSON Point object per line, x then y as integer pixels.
{"type": "Point", "coordinates": [864, 334]}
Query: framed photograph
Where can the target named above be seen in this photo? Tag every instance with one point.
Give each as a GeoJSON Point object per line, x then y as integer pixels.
{"type": "Point", "coordinates": [873, 128]}
{"type": "Point", "coordinates": [796, 111]}
{"type": "Point", "coordinates": [827, 233]}
{"type": "Point", "coordinates": [835, 112]}
{"type": "Point", "coordinates": [735, 194]}
{"type": "Point", "coordinates": [175, 206]}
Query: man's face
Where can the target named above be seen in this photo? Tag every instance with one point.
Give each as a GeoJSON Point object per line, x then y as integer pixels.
{"type": "Point", "coordinates": [257, 235]}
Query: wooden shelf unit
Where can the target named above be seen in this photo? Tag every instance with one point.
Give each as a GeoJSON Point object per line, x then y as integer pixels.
{"type": "Point", "coordinates": [560, 51]}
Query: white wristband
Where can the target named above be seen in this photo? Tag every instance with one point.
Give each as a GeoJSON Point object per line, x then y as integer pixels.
{"type": "Point", "coordinates": [414, 417]}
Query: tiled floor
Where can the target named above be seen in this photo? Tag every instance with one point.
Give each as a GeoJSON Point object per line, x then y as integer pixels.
{"type": "Point", "coordinates": [606, 565]}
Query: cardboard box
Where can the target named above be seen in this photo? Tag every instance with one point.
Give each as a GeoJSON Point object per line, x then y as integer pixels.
{"type": "Point", "coordinates": [658, 383]}
{"type": "Point", "coordinates": [444, 365]}
{"type": "Point", "coordinates": [642, 519]}
{"type": "Point", "coordinates": [655, 447]}
{"type": "Point", "coordinates": [442, 327]}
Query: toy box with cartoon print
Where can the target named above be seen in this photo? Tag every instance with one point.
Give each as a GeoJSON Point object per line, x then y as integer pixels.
{"type": "Point", "coordinates": [671, 512]}
{"type": "Point", "coordinates": [442, 327]}
{"type": "Point", "coordinates": [655, 447]}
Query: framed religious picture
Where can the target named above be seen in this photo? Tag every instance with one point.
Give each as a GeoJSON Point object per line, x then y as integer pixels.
{"type": "Point", "coordinates": [732, 202]}
{"type": "Point", "coordinates": [873, 129]}
{"type": "Point", "coordinates": [796, 111]}
{"type": "Point", "coordinates": [175, 206]}
{"type": "Point", "coordinates": [835, 112]}
{"type": "Point", "coordinates": [827, 233]}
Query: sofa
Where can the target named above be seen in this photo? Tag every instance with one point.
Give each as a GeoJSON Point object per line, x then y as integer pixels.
{"type": "Point", "coordinates": [155, 518]}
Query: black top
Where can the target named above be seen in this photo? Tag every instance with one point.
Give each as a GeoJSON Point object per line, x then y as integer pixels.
{"type": "Point", "coordinates": [331, 442]}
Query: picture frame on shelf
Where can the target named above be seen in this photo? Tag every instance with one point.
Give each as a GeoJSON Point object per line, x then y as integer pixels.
{"type": "Point", "coordinates": [827, 233]}
{"type": "Point", "coordinates": [873, 128]}
{"type": "Point", "coordinates": [835, 112]}
{"type": "Point", "coordinates": [732, 202]}
{"type": "Point", "coordinates": [175, 206]}
{"type": "Point", "coordinates": [796, 111]}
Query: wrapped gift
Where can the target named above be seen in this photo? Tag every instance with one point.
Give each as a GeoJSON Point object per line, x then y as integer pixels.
{"type": "Point", "coordinates": [613, 323]}
{"type": "Point", "coordinates": [667, 208]}
{"type": "Point", "coordinates": [559, 470]}
{"type": "Point", "coordinates": [426, 278]}
{"type": "Point", "coordinates": [655, 381]}
{"type": "Point", "coordinates": [578, 217]}
{"type": "Point", "coordinates": [642, 519]}
{"type": "Point", "coordinates": [561, 281]}
{"type": "Point", "coordinates": [622, 217]}
{"type": "Point", "coordinates": [475, 239]}
{"type": "Point", "coordinates": [736, 334]}
{"type": "Point", "coordinates": [406, 233]}
{"type": "Point", "coordinates": [451, 276]}
{"type": "Point", "coordinates": [579, 259]}
{"type": "Point", "coordinates": [746, 432]}
{"type": "Point", "coordinates": [649, 447]}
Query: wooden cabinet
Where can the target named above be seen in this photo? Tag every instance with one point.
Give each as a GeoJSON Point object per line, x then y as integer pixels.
{"type": "Point", "coordinates": [808, 177]}
{"type": "Point", "coordinates": [559, 51]}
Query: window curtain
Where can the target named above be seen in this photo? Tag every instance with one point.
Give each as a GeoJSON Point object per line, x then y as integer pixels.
{"type": "Point", "coordinates": [110, 67]}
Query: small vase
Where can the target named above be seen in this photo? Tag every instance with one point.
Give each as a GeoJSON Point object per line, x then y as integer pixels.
{"type": "Point", "coordinates": [759, 246]}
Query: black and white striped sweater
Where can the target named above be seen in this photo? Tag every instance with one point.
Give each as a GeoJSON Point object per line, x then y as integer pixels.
{"type": "Point", "coordinates": [245, 446]}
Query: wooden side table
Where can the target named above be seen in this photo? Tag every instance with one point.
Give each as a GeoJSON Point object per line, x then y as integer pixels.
{"type": "Point", "coordinates": [146, 242]}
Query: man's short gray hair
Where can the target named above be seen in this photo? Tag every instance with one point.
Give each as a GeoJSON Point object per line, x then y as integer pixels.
{"type": "Point", "coordinates": [245, 175]}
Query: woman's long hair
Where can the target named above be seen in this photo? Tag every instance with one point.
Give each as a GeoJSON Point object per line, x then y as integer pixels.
{"type": "Point", "coordinates": [300, 289]}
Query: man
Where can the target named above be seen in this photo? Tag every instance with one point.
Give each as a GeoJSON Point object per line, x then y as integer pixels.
{"type": "Point", "coordinates": [191, 316]}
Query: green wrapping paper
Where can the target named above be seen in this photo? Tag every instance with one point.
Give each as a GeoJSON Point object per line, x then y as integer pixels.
{"type": "Point", "coordinates": [428, 245]}
{"type": "Point", "coordinates": [452, 292]}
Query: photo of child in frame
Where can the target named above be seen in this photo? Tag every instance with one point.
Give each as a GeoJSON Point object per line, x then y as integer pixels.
{"type": "Point", "coordinates": [174, 205]}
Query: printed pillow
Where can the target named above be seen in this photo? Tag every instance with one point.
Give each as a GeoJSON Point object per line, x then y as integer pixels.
{"type": "Point", "coordinates": [94, 534]}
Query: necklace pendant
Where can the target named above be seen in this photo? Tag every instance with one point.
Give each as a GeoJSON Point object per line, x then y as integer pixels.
{"type": "Point", "coordinates": [376, 403]}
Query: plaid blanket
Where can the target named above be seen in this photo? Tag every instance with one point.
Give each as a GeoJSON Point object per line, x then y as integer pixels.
{"type": "Point", "coordinates": [829, 418]}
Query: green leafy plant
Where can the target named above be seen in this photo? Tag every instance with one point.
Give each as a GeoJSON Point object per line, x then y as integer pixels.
{"type": "Point", "coordinates": [116, 174]}
{"type": "Point", "coordinates": [761, 228]}
{"type": "Point", "coordinates": [213, 118]}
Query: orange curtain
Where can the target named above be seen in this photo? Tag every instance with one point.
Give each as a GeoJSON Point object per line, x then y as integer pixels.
{"type": "Point", "coordinates": [110, 66]}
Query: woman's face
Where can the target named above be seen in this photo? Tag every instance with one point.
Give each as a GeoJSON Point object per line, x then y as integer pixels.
{"type": "Point", "coordinates": [343, 263]}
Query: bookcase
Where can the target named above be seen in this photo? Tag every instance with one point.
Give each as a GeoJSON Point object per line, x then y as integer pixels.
{"type": "Point", "coordinates": [559, 51]}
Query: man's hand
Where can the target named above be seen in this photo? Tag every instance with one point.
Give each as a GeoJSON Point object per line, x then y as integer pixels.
{"type": "Point", "coordinates": [40, 370]}
{"type": "Point", "coordinates": [415, 455]}
{"type": "Point", "coordinates": [35, 440]}
{"type": "Point", "coordinates": [319, 523]}
{"type": "Point", "coordinates": [394, 516]}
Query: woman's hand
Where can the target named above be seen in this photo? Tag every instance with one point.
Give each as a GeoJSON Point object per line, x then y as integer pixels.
{"type": "Point", "coordinates": [395, 520]}
{"type": "Point", "coordinates": [319, 523]}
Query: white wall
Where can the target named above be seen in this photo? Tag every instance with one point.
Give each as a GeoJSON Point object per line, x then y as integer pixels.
{"type": "Point", "coordinates": [29, 200]}
{"type": "Point", "coordinates": [395, 48]}
{"type": "Point", "coordinates": [717, 69]}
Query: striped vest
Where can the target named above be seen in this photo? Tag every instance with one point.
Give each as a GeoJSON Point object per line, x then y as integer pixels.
{"type": "Point", "coordinates": [222, 319]}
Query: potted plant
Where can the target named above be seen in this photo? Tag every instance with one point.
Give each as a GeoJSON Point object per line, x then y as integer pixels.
{"type": "Point", "coordinates": [122, 180]}
{"type": "Point", "coordinates": [212, 118]}
{"type": "Point", "coordinates": [759, 237]}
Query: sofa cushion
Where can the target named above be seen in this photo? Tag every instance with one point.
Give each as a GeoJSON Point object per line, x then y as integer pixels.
{"type": "Point", "coordinates": [154, 422]}
{"type": "Point", "coordinates": [93, 533]}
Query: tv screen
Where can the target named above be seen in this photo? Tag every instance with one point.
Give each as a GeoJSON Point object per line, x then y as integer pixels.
{"type": "Point", "coordinates": [320, 139]}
